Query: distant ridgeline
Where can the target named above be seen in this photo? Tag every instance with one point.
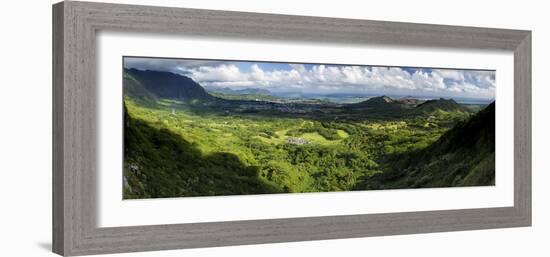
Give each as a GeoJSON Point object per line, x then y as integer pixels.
{"type": "Point", "coordinates": [297, 145]}
{"type": "Point", "coordinates": [420, 106]}
{"type": "Point", "coordinates": [244, 91]}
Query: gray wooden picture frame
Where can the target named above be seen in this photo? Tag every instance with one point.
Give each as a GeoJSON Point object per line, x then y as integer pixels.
{"type": "Point", "coordinates": [75, 25]}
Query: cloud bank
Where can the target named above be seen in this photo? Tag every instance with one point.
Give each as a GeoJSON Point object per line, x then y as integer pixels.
{"type": "Point", "coordinates": [329, 79]}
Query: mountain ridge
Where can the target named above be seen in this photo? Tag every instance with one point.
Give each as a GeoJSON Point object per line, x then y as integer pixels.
{"type": "Point", "coordinates": [439, 104]}
{"type": "Point", "coordinates": [169, 85]}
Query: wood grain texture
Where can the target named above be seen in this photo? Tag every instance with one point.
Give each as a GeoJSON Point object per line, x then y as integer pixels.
{"type": "Point", "coordinates": [74, 124]}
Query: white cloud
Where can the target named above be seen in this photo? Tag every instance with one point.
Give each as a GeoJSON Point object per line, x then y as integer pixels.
{"type": "Point", "coordinates": [450, 74]}
{"type": "Point", "coordinates": [298, 67]}
{"type": "Point", "coordinates": [221, 73]}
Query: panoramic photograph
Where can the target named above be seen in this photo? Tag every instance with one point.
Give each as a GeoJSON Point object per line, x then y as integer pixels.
{"type": "Point", "coordinates": [195, 127]}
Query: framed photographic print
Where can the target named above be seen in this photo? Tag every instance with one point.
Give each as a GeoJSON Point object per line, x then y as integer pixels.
{"type": "Point", "coordinates": [182, 128]}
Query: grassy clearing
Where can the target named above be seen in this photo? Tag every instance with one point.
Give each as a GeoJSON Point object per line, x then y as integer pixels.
{"type": "Point", "coordinates": [342, 134]}
{"type": "Point", "coordinates": [316, 138]}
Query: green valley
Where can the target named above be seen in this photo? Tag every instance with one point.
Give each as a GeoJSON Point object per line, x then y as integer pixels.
{"type": "Point", "coordinates": [182, 140]}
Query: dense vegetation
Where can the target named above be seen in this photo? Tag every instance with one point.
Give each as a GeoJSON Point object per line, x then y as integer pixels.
{"type": "Point", "coordinates": [198, 144]}
{"type": "Point", "coordinates": [463, 156]}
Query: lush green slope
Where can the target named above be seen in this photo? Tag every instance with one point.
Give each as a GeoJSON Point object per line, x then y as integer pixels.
{"type": "Point", "coordinates": [134, 88]}
{"type": "Point", "coordinates": [463, 156]}
{"type": "Point", "coordinates": [159, 163]}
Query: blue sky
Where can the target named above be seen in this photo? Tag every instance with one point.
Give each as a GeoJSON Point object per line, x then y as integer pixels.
{"type": "Point", "coordinates": [327, 79]}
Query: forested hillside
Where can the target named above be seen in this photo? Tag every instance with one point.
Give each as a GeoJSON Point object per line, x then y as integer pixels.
{"type": "Point", "coordinates": [160, 163]}
{"type": "Point", "coordinates": [463, 156]}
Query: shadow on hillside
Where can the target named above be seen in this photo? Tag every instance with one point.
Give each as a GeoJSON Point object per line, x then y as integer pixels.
{"type": "Point", "coordinates": [159, 164]}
